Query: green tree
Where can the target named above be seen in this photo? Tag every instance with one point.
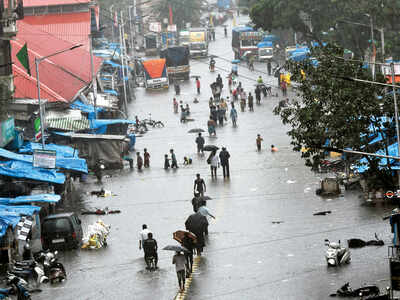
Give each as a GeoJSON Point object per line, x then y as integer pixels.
{"type": "Point", "coordinates": [314, 18]}
{"type": "Point", "coordinates": [183, 11]}
{"type": "Point", "coordinates": [335, 109]}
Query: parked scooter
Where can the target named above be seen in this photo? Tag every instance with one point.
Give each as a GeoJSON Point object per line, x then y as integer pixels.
{"type": "Point", "coordinates": [347, 291]}
{"type": "Point", "coordinates": [27, 269]}
{"type": "Point", "coordinates": [53, 269]}
{"type": "Point", "coordinates": [336, 254]}
{"type": "Point", "coordinates": [19, 287]}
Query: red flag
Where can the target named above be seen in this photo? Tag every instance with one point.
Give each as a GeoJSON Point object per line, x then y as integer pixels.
{"type": "Point", "coordinates": [170, 15]}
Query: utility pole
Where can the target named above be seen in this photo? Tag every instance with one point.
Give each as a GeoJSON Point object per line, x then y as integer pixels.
{"type": "Point", "coordinates": [122, 55]}
{"type": "Point", "coordinates": [383, 43]}
{"type": "Point", "coordinates": [134, 41]}
{"type": "Point", "coordinates": [396, 115]}
{"type": "Point", "coordinates": [94, 78]}
{"type": "Point", "coordinates": [112, 22]}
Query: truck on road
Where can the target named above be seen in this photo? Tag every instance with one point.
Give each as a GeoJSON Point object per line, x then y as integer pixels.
{"type": "Point", "coordinates": [198, 42]}
{"type": "Point", "coordinates": [155, 73]}
{"type": "Point", "coordinates": [177, 59]}
{"type": "Point", "coordinates": [245, 39]}
{"type": "Point", "coordinates": [151, 44]}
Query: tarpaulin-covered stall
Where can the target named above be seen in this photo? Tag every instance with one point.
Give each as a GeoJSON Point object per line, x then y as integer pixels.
{"type": "Point", "coordinates": [94, 147]}
{"type": "Point", "coordinates": [69, 163]}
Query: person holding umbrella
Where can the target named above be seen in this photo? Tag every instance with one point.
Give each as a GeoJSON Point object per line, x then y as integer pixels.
{"type": "Point", "coordinates": [197, 224]}
{"type": "Point", "coordinates": [179, 261]}
{"type": "Point", "coordinates": [188, 243]}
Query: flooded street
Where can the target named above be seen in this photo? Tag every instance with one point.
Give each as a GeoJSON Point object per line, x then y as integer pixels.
{"type": "Point", "coordinates": [247, 256]}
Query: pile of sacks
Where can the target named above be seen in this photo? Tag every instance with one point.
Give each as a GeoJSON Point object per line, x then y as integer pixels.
{"type": "Point", "coordinates": [96, 236]}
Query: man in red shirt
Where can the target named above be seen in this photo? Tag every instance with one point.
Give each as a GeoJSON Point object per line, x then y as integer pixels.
{"type": "Point", "coordinates": [198, 85]}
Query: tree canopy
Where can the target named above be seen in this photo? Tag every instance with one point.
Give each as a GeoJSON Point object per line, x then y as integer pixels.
{"type": "Point", "coordinates": [331, 19]}
{"type": "Point", "coordinates": [348, 114]}
{"type": "Point", "coordinates": [183, 11]}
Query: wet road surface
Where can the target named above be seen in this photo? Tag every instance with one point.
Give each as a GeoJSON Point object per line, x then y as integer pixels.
{"type": "Point", "coordinates": [247, 257]}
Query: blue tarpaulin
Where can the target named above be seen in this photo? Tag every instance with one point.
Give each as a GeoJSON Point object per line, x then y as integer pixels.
{"type": "Point", "coordinates": [394, 164]}
{"type": "Point", "coordinates": [21, 169]}
{"type": "Point", "coordinates": [62, 151]}
{"type": "Point", "coordinates": [6, 221]}
{"type": "Point", "coordinates": [46, 198]}
{"type": "Point", "coordinates": [265, 45]}
{"type": "Point", "coordinates": [116, 65]}
{"type": "Point", "coordinates": [111, 92]}
{"type": "Point", "coordinates": [87, 108]}
{"type": "Point", "coordinates": [18, 210]}
{"type": "Point", "coordinates": [101, 124]}
{"type": "Point", "coordinates": [68, 163]}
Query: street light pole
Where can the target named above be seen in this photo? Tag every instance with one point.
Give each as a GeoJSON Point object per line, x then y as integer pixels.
{"type": "Point", "coordinates": [94, 78]}
{"type": "Point", "coordinates": [37, 62]}
{"type": "Point", "coordinates": [112, 22]}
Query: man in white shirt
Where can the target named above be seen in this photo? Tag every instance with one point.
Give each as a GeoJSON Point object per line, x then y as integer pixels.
{"type": "Point", "coordinates": [143, 235]}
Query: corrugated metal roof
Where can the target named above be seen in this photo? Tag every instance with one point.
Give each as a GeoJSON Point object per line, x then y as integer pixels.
{"type": "Point", "coordinates": [61, 76]}
{"type": "Point", "coordinates": [73, 27]}
{"type": "Point", "coordinates": [30, 3]}
{"type": "Point", "coordinates": [68, 124]}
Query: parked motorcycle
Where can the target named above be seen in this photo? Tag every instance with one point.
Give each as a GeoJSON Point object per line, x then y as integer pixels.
{"type": "Point", "coordinates": [336, 254]}
{"type": "Point", "coordinates": [53, 269]}
{"type": "Point", "coordinates": [27, 269]}
{"type": "Point", "coordinates": [347, 291]}
{"type": "Point", "coordinates": [19, 287]}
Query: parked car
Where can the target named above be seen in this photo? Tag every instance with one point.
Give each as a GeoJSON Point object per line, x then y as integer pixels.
{"type": "Point", "coordinates": [61, 231]}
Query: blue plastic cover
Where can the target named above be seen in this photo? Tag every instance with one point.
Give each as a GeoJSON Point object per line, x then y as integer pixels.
{"type": "Point", "coordinates": [242, 29]}
{"type": "Point", "coordinates": [392, 151]}
{"type": "Point", "coordinates": [87, 108]}
{"type": "Point", "coordinates": [62, 151]}
{"type": "Point", "coordinates": [18, 210]}
{"type": "Point", "coordinates": [111, 92]}
{"type": "Point", "coordinates": [265, 45]}
{"type": "Point", "coordinates": [116, 65]}
{"type": "Point", "coordinates": [22, 169]}
{"type": "Point", "coordinates": [44, 198]}
{"type": "Point", "coordinates": [68, 163]}
{"type": "Point", "coordinates": [6, 221]}
{"type": "Point", "coordinates": [270, 38]}
{"type": "Point", "coordinates": [101, 124]}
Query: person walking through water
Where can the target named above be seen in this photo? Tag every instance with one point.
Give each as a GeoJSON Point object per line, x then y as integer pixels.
{"type": "Point", "coordinates": [179, 261]}
{"type": "Point", "coordinates": [139, 161]}
{"type": "Point", "coordinates": [257, 91]}
{"type": "Point", "coordinates": [250, 100]}
{"type": "Point", "coordinates": [214, 163]}
{"type": "Point", "coordinates": [198, 85]}
{"type": "Point", "coordinates": [199, 185]}
{"type": "Point", "coordinates": [259, 139]}
{"type": "Point", "coordinates": [176, 105]}
{"type": "Point", "coordinates": [174, 162]}
{"type": "Point", "coordinates": [146, 156]}
{"type": "Point", "coordinates": [200, 143]}
{"type": "Point", "coordinates": [211, 127]}
{"type": "Point", "coordinates": [224, 158]}
{"type": "Point", "coordinates": [233, 115]}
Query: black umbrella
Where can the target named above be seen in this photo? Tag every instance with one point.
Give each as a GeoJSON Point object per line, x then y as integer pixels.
{"type": "Point", "coordinates": [210, 148]}
{"type": "Point", "coordinates": [196, 223]}
{"type": "Point", "coordinates": [176, 248]}
{"type": "Point", "coordinates": [196, 130]}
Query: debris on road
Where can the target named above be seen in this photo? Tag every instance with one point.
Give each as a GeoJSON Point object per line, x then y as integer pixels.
{"type": "Point", "coordinates": [322, 213]}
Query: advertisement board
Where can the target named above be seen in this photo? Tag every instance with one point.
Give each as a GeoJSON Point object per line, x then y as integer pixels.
{"type": "Point", "coordinates": [44, 159]}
